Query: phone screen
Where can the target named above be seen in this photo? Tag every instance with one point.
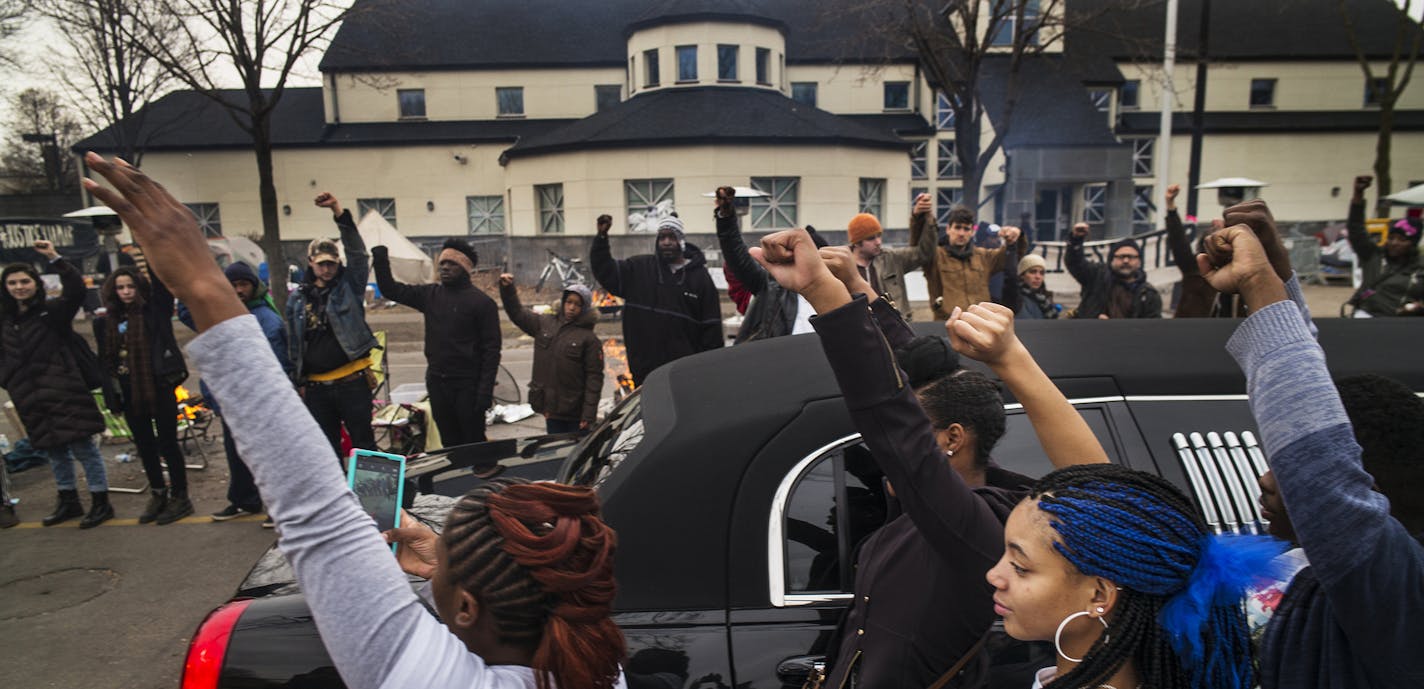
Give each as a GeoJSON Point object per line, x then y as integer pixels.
{"type": "Point", "coordinates": [377, 480]}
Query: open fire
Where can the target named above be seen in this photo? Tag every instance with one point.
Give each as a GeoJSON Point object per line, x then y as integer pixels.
{"type": "Point", "coordinates": [190, 406]}
{"type": "Point", "coordinates": [615, 364]}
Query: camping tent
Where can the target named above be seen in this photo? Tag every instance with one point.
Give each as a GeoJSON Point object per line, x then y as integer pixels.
{"type": "Point", "coordinates": [1413, 196]}
{"type": "Point", "coordinates": [408, 263]}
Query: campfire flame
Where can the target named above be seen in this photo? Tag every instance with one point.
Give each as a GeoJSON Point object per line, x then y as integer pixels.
{"type": "Point", "coordinates": [189, 407]}
{"type": "Point", "coordinates": [603, 298]}
{"type": "Point", "coordinates": [615, 363]}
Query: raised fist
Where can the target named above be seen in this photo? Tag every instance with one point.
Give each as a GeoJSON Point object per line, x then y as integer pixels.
{"type": "Point", "coordinates": [46, 249]}
{"type": "Point", "coordinates": [923, 204]}
{"type": "Point", "coordinates": [604, 224]}
{"type": "Point", "coordinates": [724, 200]}
{"type": "Point", "coordinates": [1010, 234]}
{"type": "Point", "coordinates": [1080, 230]}
{"type": "Point", "coordinates": [1362, 182]}
{"type": "Point", "coordinates": [506, 280]}
{"type": "Point", "coordinates": [1172, 191]}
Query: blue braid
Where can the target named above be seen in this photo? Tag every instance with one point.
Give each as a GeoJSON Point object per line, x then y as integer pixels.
{"type": "Point", "coordinates": [1143, 534]}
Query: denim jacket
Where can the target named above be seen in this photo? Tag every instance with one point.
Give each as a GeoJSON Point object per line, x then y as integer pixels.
{"type": "Point", "coordinates": [346, 307]}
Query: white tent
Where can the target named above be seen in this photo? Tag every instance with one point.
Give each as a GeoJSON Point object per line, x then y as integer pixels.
{"type": "Point", "coordinates": [408, 263]}
{"type": "Point", "coordinates": [1413, 196]}
{"type": "Point", "coordinates": [230, 250]}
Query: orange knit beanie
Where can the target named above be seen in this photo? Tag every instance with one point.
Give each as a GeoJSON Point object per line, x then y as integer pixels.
{"type": "Point", "coordinates": [862, 227]}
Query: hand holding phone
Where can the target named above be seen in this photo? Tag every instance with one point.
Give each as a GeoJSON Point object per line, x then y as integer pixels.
{"type": "Point", "coordinates": [378, 480]}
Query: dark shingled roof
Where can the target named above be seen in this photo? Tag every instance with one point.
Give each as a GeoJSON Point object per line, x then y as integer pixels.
{"type": "Point", "coordinates": [1239, 29]}
{"type": "Point", "coordinates": [684, 11]}
{"type": "Point", "coordinates": [1052, 107]}
{"type": "Point", "coordinates": [187, 120]}
{"type": "Point", "coordinates": [1271, 121]}
{"type": "Point", "coordinates": [720, 114]}
{"type": "Point", "coordinates": [907, 124]}
{"type": "Point", "coordinates": [391, 35]}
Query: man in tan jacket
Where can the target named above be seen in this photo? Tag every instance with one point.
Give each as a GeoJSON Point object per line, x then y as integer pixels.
{"type": "Point", "coordinates": [885, 269]}
{"type": "Point", "coordinates": [961, 271]}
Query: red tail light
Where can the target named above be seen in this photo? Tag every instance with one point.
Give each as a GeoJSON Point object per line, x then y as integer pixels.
{"type": "Point", "coordinates": [209, 646]}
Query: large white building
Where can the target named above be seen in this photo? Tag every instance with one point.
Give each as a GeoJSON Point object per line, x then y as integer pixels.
{"type": "Point", "coordinates": [520, 121]}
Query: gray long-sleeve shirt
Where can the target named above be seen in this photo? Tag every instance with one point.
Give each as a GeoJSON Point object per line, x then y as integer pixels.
{"type": "Point", "coordinates": [374, 627]}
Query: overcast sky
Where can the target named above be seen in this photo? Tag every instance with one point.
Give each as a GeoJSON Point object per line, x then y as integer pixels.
{"type": "Point", "coordinates": [38, 38]}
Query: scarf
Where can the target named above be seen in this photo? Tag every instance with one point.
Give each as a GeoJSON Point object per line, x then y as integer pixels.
{"type": "Point", "coordinates": [1123, 293]}
{"type": "Point", "coordinates": [129, 357]}
{"type": "Point", "coordinates": [962, 253]}
{"type": "Point", "coordinates": [1040, 296]}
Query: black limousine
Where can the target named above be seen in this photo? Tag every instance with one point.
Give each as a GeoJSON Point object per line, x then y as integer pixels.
{"type": "Point", "coordinates": [723, 473]}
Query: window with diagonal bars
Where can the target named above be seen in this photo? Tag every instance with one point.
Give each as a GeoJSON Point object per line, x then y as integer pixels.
{"type": "Point", "coordinates": [919, 156]}
{"type": "Point", "coordinates": [209, 218]}
{"type": "Point", "coordinates": [550, 200]}
{"type": "Point", "coordinates": [644, 195]}
{"type": "Point", "coordinates": [1095, 201]}
{"type": "Point", "coordinates": [947, 162]}
{"type": "Point", "coordinates": [385, 207]}
{"type": "Point", "coordinates": [776, 210]}
{"type": "Point", "coordinates": [486, 214]}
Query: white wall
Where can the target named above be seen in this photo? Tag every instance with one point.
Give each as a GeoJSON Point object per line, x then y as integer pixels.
{"type": "Point", "coordinates": [470, 95]}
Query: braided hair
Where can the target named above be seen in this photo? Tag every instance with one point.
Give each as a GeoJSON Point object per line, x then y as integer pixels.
{"type": "Point", "coordinates": [970, 399]}
{"type": "Point", "coordinates": [1179, 617]}
{"type": "Point", "coordinates": [539, 558]}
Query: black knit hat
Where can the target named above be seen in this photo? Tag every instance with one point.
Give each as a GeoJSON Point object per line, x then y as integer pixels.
{"type": "Point", "coordinates": [926, 359]}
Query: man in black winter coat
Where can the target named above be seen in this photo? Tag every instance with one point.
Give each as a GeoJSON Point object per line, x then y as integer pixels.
{"type": "Point", "coordinates": [462, 340]}
{"type": "Point", "coordinates": [1118, 289]}
{"type": "Point", "coordinates": [671, 307]}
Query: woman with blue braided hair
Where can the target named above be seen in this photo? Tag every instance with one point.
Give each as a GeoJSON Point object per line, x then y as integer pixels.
{"type": "Point", "coordinates": [1116, 567]}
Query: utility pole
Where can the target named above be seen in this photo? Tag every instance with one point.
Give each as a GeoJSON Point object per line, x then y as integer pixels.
{"type": "Point", "coordinates": [1163, 147]}
{"type": "Point", "coordinates": [49, 152]}
{"type": "Point", "coordinates": [1198, 108]}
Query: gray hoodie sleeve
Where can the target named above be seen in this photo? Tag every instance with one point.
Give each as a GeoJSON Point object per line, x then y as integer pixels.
{"type": "Point", "coordinates": [374, 627]}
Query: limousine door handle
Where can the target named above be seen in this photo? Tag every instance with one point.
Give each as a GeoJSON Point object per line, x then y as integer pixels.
{"type": "Point", "coordinates": [794, 670]}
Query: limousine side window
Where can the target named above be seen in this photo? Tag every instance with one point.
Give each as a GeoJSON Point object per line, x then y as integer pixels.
{"type": "Point", "coordinates": [818, 540]}
{"type": "Point", "coordinates": [819, 533]}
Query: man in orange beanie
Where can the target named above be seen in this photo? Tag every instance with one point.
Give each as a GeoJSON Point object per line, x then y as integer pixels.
{"type": "Point", "coordinates": [885, 269]}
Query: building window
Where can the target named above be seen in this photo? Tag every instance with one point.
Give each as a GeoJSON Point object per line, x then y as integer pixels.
{"type": "Point", "coordinates": [486, 214]}
{"type": "Point", "coordinates": [1142, 157]}
{"type": "Point", "coordinates": [209, 218]}
{"type": "Point", "coordinates": [1008, 26]}
{"type": "Point", "coordinates": [948, 160]}
{"type": "Point", "coordinates": [872, 196]}
{"type": "Point", "coordinates": [385, 207]}
{"type": "Point", "coordinates": [919, 155]}
{"type": "Point", "coordinates": [1102, 99]}
{"type": "Point", "coordinates": [1263, 93]}
{"type": "Point", "coordinates": [763, 66]}
{"type": "Point", "coordinates": [944, 112]}
{"type": "Point", "coordinates": [607, 96]}
{"type": "Point", "coordinates": [1142, 209]}
{"type": "Point", "coordinates": [776, 210]}
{"type": "Point", "coordinates": [549, 198]}
{"type": "Point", "coordinates": [511, 101]}
{"type": "Point", "coordinates": [643, 198]}
{"type": "Point", "coordinates": [1374, 89]}
{"type": "Point", "coordinates": [946, 198]}
{"type": "Point", "coordinates": [686, 63]}
{"type": "Point", "coordinates": [1095, 203]}
{"type": "Point", "coordinates": [650, 68]}
{"type": "Point", "coordinates": [412, 103]}
{"type": "Point", "coordinates": [897, 95]}
{"type": "Point", "coordinates": [804, 92]}
{"type": "Point", "coordinates": [1127, 96]}
{"type": "Point", "coordinates": [726, 62]}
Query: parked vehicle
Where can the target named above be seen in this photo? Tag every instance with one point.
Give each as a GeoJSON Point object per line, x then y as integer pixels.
{"type": "Point", "coordinates": [738, 487]}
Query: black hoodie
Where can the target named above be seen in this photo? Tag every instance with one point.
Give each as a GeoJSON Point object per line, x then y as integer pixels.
{"type": "Point", "coordinates": [667, 314]}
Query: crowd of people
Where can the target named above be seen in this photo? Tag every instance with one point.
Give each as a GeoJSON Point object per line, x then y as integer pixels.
{"type": "Point", "coordinates": [1114, 567]}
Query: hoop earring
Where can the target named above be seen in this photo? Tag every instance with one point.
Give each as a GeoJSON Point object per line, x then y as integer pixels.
{"type": "Point", "coordinates": [1056, 635]}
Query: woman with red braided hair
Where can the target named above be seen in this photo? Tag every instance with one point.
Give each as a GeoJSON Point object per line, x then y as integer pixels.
{"type": "Point", "coordinates": [522, 579]}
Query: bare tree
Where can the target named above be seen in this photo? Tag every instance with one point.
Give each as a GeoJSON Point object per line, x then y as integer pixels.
{"type": "Point", "coordinates": [107, 77]}
{"type": "Point", "coordinates": [261, 42]}
{"type": "Point", "coordinates": [962, 45]}
{"type": "Point", "coordinates": [12, 19]}
{"type": "Point", "coordinates": [1386, 87]}
{"type": "Point", "coordinates": [41, 130]}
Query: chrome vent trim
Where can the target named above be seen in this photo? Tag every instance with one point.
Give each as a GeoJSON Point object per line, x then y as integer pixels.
{"type": "Point", "coordinates": [1223, 469]}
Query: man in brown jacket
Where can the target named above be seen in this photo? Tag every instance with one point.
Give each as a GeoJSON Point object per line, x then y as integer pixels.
{"type": "Point", "coordinates": [885, 269]}
{"type": "Point", "coordinates": [568, 358]}
{"type": "Point", "coordinates": [960, 273]}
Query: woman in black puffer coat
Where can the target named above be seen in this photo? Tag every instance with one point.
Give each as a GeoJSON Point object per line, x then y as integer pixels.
{"type": "Point", "coordinates": [42, 364]}
{"type": "Point", "coordinates": [138, 350]}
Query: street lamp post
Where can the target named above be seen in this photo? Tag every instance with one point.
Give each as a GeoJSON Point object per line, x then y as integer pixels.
{"type": "Point", "coordinates": [49, 151]}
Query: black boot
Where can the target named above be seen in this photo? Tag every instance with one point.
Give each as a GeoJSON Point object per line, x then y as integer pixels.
{"type": "Point", "coordinates": [100, 510]}
{"type": "Point", "coordinates": [178, 507]}
{"type": "Point", "coordinates": [8, 518]}
{"type": "Point", "coordinates": [157, 500]}
{"type": "Point", "coordinates": [66, 509]}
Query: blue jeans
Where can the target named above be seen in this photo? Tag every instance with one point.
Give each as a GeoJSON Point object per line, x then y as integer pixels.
{"type": "Point", "coordinates": [84, 450]}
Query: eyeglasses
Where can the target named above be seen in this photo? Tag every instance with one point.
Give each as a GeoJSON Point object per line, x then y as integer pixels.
{"type": "Point", "coordinates": [1126, 257]}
